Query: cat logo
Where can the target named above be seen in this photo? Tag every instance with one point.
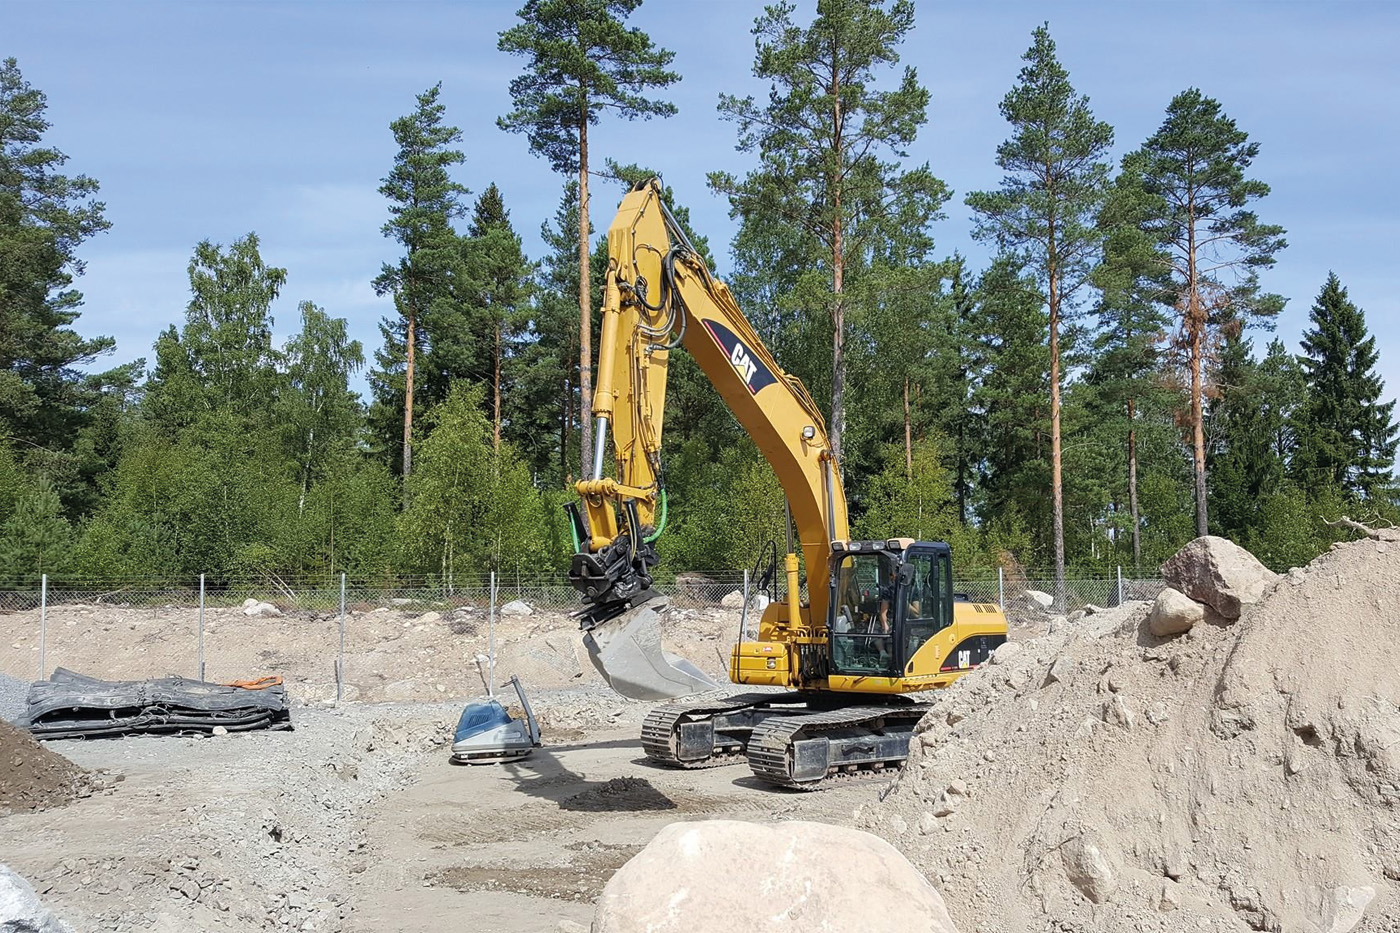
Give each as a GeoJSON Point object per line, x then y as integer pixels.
{"type": "Point", "coordinates": [750, 369]}
{"type": "Point", "coordinates": [964, 659]}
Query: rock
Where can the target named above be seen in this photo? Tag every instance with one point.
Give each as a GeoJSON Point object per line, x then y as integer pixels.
{"type": "Point", "coordinates": [1044, 600]}
{"type": "Point", "coordinates": [249, 602]}
{"type": "Point", "coordinates": [759, 603]}
{"type": "Point", "coordinates": [1061, 671]}
{"type": "Point", "coordinates": [261, 610]}
{"type": "Point", "coordinates": [1174, 613]}
{"type": "Point", "coordinates": [219, 730]}
{"type": "Point", "coordinates": [897, 826]}
{"type": "Point", "coordinates": [1168, 901]}
{"type": "Point", "coordinates": [430, 618]}
{"type": "Point", "coordinates": [517, 607]}
{"type": "Point", "coordinates": [1005, 652]}
{"type": "Point", "coordinates": [734, 599]}
{"type": "Point", "coordinates": [927, 824]}
{"type": "Point", "coordinates": [22, 912]}
{"type": "Point", "coordinates": [707, 877]}
{"type": "Point", "coordinates": [1117, 711]}
{"type": "Point", "coordinates": [944, 805]}
{"type": "Point", "coordinates": [1088, 869]}
{"type": "Point", "coordinates": [957, 789]}
{"type": "Point", "coordinates": [1090, 609]}
{"type": "Point", "coordinates": [1348, 906]}
{"type": "Point", "coordinates": [1219, 573]}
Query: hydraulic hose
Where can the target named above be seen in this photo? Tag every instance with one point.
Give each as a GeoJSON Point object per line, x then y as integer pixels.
{"type": "Point", "coordinates": [661, 524]}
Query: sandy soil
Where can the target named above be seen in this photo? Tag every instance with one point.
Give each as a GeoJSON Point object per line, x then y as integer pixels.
{"type": "Point", "coordinates": [358, 821]}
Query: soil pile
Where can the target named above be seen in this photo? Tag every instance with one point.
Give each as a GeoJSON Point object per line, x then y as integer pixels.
{"type": "Point", "coordinates": [1238, 776]}
{"type": "Point", "coordinates": [32, 777]}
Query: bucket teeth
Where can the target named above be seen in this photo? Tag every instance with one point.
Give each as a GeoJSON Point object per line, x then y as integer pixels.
{"type": "Point", "coordinates": [626, 650]}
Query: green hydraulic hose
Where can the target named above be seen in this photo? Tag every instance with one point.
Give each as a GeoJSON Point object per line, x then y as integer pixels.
{"type": "Point", "coordinates": [661, 525]}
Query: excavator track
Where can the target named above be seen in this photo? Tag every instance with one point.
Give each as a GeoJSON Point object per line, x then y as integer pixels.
{"type": "Point", "coordinates": [710, 733]}
{"type": "Point", "coordinates": [814, 751]}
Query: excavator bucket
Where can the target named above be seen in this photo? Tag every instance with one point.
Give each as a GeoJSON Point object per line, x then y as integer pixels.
{"type": "Point", "coordinates": [626, 650]}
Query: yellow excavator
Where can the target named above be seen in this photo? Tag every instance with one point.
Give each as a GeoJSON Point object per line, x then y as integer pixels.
{"type": "Point", "coordinates": [880, 622]}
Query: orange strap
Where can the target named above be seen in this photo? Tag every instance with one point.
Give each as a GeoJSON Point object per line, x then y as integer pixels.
{"type": "Point", "coordinates": [262, 683]}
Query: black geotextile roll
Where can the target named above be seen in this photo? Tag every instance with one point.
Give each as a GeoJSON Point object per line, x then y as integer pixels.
{"type": "Point", "coordinates": [71, 705]}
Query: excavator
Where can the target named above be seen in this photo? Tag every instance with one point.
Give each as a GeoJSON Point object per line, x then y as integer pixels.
{"type": "Point", "coordinates": [880, 623]}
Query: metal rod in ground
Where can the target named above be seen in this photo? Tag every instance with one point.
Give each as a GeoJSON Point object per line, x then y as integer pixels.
{"type": "Point", "coordinates": [201, 626]}
{"type": "Point", "coordinates": [340, 657]}
{"type": "Point", "coordinates": [1001, 595]}
{"type": "Point", "coordinates": [1120, 586]}
{"type": "Point", "coordinates": [491, 641]}
{"type": "Point", "coordinates": [43, 620]}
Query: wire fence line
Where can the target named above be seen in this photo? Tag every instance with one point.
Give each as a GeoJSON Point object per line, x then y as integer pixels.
{"type": "Point", "coordinates": [307, 627]}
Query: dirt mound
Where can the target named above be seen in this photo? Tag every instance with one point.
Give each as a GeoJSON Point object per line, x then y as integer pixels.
{"type": "Point", "coordinates": [1236, 777]}
{"type": "Point", "coordinates": [31, 776]}
{"type": "Point", "coordinates": [623, 794]}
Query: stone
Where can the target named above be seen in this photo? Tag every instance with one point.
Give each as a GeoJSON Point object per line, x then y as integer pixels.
{"type": "Point", "coordinates": [1043, 600]}
{"type": "Point", "coordinates": [898, 827]}
{"type": "Point", "coordinates": [944, 805]}
{"type": "Point", "coordinates": [1088, 869]}
{"type": "Point", "coordinates": [517, 607]}
{"type": "Point", "coordinates": [1061, 671]}
{"type": "Point", "coordinates": [1090, 609]}
{"type": "Point", "coordinates": [263, 610]}
{"type": "Point", "coordinates": [1219, 573]}
{"type": "Point", "coordinates": [734, 599]}
{"type": "Point", "coordinates": [219, 730]}
{"type": "Point", "coordinates": [707, 877]}
{"type": "Point", "coordinates": [21, 910]}
{"type": "Point", "coordinates": [1168, 901]}
{"type": "Point", "coordinates": [1005, 652]}
{"type": "Point", "coordinates": [249, 602]}
{"type": "Point", "coordinates": [1348, 906]}
{"type": "Point", "coordinates": [927, 824]}
{"type": "Point", "coordinates": [1174, 613]}
{"type": "Point", "coordinates": [430, 618]}
{"type": "Point", "coordinates": [1117, 711]}
{"type": "Point", "coordinates": [957, 789]}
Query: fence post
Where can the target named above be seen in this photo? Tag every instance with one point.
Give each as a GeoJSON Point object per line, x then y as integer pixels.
{"type": "Point", "coordinates": [1120, 584]}
{"type": "Point", "coordinates": [43, 620]}
{"type": "Point", "coordinates": [491, 641]}
{"type": "Point", "coordinates": [340, 656]}
{"type": "Point", "coordinates": [1001, 595]}
{"type": "Point", "coordinates": [744, 612]}
{"type": "Point", "coordinates": [201, 626]}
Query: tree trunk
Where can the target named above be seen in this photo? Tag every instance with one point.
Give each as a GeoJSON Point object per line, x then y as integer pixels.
{"type": "Point", "coordinates": [408, 404]}
{"type": "Point", "coordinates": [1132, 488]}
{"type": "Point", "coordinates": [1195, 329]}
{"type": "Point", "coordinates": [838, 276]}
{"type": "Point", "coordinates": [496, 379]}
{"type": "Point", "coordinates": [585, 316]}
{"type": "Point", "coordinates": [908, 438]}
{"type": "Point", "coordinates": [565, 423]}
{"type": "Point", "coordinates": [1056, 466]}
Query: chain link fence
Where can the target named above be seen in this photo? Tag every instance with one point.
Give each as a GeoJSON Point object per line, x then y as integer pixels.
{"type": "Point", "coordinates": [402, 638]}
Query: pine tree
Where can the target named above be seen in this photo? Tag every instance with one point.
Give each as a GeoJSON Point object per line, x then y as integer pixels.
{"type": "Point", "coordinates": [1191, 175]}
{"type": "Point", "coordinates": [830, 146]}
{"type": "Point", "coordinates": [1348, 434]}
{"type": "Point", "coordinates": [423, 202]}
{"type": "Point", "coordinates": [46, 399]}
{"type": "Point", "coordinates": [35, 538]}
{"type": "Point", "coordinates": [581, 61]}
{"type": "Point", "coordinates": [1046, 209]}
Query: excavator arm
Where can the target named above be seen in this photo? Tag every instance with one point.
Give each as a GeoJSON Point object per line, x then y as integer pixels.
{"type": "Point", "coordinates": [659, 295]}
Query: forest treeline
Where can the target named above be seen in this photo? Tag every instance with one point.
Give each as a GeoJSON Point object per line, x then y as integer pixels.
{"type": "Point", "coordinates": [1105, 389]}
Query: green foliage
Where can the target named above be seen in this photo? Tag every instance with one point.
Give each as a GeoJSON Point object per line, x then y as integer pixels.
{"type": "Point", "coordinates": [35, 539]}
{"type": "Point", "coordinates": [1347, 435]}
{"type": "Point", "coordinates": [724, 511]}
{"type": "Point", "coordinates": [917, 503]}
{"type": "Point", "coordinates": [471, 508]}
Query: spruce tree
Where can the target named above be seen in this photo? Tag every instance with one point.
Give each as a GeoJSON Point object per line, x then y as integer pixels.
{"type": "Point", "coordinates": [1195, 197]}
{"type": "Point", "coordinates": [1056, 179]}
{"type": "Point", "coordinates": [581, 61]}
{"type": "Point", "coordinates": [1348, 434]}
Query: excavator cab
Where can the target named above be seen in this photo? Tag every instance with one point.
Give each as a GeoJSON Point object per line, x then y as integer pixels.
{"type": "Point", "coordinates": [887, 599]}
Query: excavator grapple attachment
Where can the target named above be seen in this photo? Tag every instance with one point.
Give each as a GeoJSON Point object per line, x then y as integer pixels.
{"type": "Point", "coordinates": [626, 650]}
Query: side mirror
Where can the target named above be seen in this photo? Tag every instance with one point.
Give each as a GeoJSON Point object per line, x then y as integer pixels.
{"type": "Point", "coordinates": [906, 574]}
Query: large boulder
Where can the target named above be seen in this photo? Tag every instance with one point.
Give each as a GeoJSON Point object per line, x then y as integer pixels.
{"type": "Point", "coordinates": [517, 607]}
{"type": "Point", "coordinates": [725, 876]}
{"type": "Point", "coordinates": [1041, 599]}
{"type": "Point", "coordinates": [734, 599]}
{"type": "Point", "coordinates": [1174, 613]}
{"type": "Point", "coordinates": [1219, 573]}
{"type": "Point", "coordinates": [21, 910]}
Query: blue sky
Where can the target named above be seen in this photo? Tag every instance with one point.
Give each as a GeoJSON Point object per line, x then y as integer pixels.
{"type": "Point", "coordinates": [208, 120]}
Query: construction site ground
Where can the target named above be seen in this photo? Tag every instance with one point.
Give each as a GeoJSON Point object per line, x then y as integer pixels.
{"type": "Point", "coordinates": [357, 820]}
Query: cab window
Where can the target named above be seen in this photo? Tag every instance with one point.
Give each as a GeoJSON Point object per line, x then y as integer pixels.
{"type": "Point", "coordinates": [863, 614]}
{"type": "Point", "coordinates": [926, 613]}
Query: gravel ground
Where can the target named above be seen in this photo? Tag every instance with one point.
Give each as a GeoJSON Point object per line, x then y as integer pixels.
{"type": "Point", "coordinates": [13, 693]}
